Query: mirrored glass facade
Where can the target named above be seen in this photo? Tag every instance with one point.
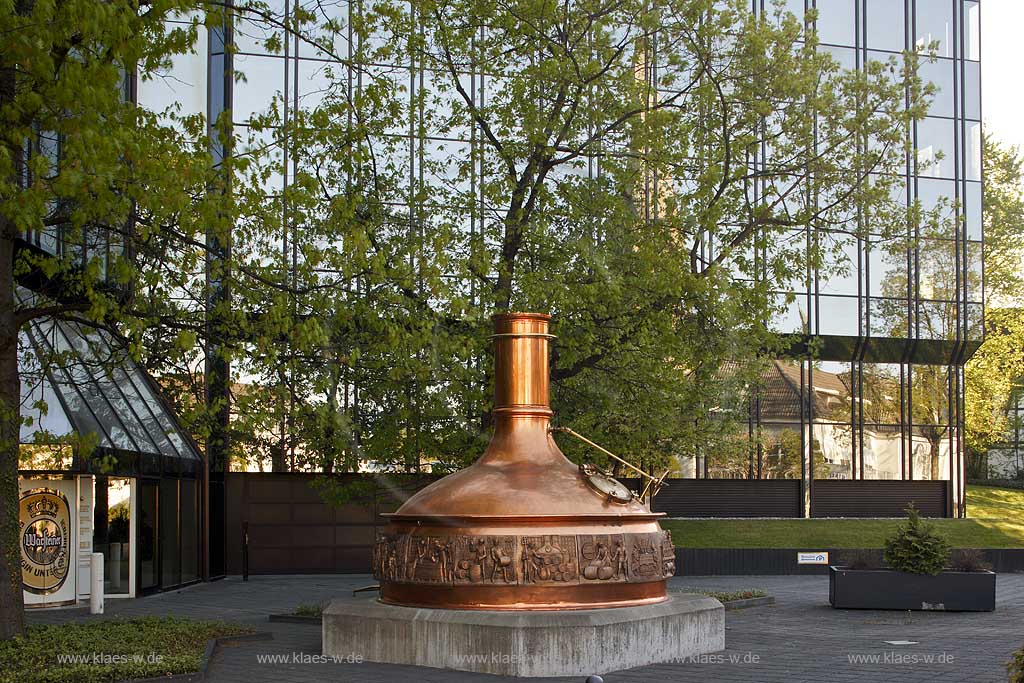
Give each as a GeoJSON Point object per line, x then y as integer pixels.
{"type": "Point", "coordinates": [883, 396]}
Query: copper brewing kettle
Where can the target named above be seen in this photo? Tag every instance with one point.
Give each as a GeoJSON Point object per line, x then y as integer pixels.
{"type": "Point", "coordinates": [523, 527]}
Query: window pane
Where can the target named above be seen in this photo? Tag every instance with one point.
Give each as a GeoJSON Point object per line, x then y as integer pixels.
{"type": "Point", "coordinates": [887, 270]}
{"type": "Point", "coordinates": [973, 17]}
{"type": "Point", "coordinates": [842, 254]}
{"type": "Point", "coordinates": [264, 78]}
{"type": "Point", "coordinates": [832, 447]}
{"type": "Point", "coordinates": [938, 218]}
{"type": "Point", "coordinates": [837, 22]}
{"type": "Point", "coordinates": [889, 318]}
{"type": "Point", "coordinates": [936, 320]}
{"type": "Point", "coordinates": [170, 549]}
{"type": "Point", "coordinates": [932, 192]}
{"type": "Point", "coordinates": [935, 25]}
{"type": "Point", "coordinates": [189, 531]}
{"type": "Point", "coordinates": [148, 550]}
{"type": "Point", "coordinates": [972, 210]}
{"type": "Point", "coordinates": [940, 74]}
{"type": "Point", "coordinates": [972, 91]}
{"type": "Point", "coordinates": [794, 7]}
{"type": "Point", "coordinates": [830, 382]}
{"type": "Point", "coordinates": [786, 260]}
{"type": "Point", "coordinates": [781, 449]}
{"type": "Point", "coordinates": [974, 151]}
{"type": "Point", "coordinates": [930, 446]}
{"type": "Point", "coordinates": [975, 321]}
{"type": "Point", "coordinates": [839, 315]}
{"type": "Point", "coordinates": [846, 57]}
{"type": "Point", "coordinates": [184, 82]}
{"type": "Point", "coordinates": [974, 271]}
{"type": "Point", "coordinates": [880, 392]}
{"type": "Point", "coordinates": [886, 25]}
{"type": "Point", "coordinates": [793, 316]}
{"type": "Point", "coordinates": [935, 144]}
{"type": "Point", "coordinates": [930, 394]}
{"type": "Point", "coordinates": [882, 446]}
{"type": "Point", "coordinates": [937, 269]}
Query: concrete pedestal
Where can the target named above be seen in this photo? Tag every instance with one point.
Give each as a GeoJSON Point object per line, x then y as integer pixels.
{"type": "Point", "coordinates": [510, 643]}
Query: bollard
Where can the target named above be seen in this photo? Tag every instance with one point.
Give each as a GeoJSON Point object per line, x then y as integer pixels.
{"type": "Point", "coordinates": [96, 594]}
{"type": "Point", "coordinates": [245, 551]}
{"type": "Point", "coordinates": [115, 567]}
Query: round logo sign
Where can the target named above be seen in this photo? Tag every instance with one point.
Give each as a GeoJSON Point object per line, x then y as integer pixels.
{"type": "Point", "coordinates": [45, 540]}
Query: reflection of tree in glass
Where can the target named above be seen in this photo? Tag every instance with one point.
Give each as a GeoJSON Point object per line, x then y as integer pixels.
{"type": "Point", "coordinates": [880, 393]}
{"type": "Point", "coordinates": [930, 407]}
{"type": "Point", "coordinates": [937, 318]}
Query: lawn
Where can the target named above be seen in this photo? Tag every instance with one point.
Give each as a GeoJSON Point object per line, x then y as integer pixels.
{"type": "Point", "coordinates": [995, 520]}
{"type": "Point", "coordinates": [109, 650]}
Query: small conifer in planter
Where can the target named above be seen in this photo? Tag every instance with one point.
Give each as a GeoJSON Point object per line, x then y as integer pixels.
{"type": "Point", "coordinates": [916, 548]}
{"type": "Point", "coordinates": [916, 576]}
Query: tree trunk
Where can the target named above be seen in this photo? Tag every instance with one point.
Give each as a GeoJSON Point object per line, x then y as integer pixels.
{"type": "Point", "coordinates": [12, 606]}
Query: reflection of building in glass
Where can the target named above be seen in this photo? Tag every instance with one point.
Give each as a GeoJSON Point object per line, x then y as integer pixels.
{"type": "Point", "coordinates": [849, 417]}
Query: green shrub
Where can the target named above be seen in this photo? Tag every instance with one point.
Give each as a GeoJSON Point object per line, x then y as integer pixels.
{"type": "Point", "coordinates": [731, 596]}
{"type": "Point", "coordinates": [310, 610]}
{"type": "Point", "coordinates": [1016, 667]}
{"type": "Point", "coordinates": [916, 548]}
{"type": "Point", "coordinates": [108, 650]}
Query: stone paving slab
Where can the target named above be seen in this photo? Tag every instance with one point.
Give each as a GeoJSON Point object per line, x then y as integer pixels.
{"type": "Point", "coordinates": [798, 639]}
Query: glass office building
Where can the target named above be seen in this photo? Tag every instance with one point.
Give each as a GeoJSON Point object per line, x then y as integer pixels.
{"type": "Point", "coordinates": [883, 399]}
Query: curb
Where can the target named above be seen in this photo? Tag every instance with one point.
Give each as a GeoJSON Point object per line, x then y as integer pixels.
{"type": "Point", "coordinates": [293, 619]}
{"type": "Point", "coordinates": [749, 602]}
{"type": "Point", "coordinates": [211, 649]}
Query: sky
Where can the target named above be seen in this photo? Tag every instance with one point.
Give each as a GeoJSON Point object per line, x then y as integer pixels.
{"type": "Point", "coordinates": [1002, 70]}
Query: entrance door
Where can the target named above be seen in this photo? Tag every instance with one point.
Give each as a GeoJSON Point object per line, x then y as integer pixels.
{"type": "Point", "coordinates": [112, 533]}
{"type": "Point", "coordinates": [147, 546]}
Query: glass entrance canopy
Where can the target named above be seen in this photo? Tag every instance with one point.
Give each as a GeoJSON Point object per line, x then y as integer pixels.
{"type": "Point", "coordinates": [83, 382]}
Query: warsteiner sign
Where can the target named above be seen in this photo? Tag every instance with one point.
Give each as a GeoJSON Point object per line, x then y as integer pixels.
{"type": "Point", "coordinates": [45, 540]}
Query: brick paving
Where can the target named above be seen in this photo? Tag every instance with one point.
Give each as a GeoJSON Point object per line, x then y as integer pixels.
{"type": "Point", "coordinates": [798, 639]}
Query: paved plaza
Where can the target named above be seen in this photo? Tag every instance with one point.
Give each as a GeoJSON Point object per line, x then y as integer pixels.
{"type": "Point", "coordinates": [798, 639]}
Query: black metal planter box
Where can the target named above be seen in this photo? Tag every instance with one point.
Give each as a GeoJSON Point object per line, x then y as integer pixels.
{"type": "Point", "coordinates": [888, 589]}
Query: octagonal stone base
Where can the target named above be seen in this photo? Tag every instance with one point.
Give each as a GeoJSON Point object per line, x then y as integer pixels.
{"type": "Point", "coordinates": [518, 643]}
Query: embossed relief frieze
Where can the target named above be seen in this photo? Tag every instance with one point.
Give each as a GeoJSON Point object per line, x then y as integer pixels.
{"type": "Point", "coordinates": [523, 560]}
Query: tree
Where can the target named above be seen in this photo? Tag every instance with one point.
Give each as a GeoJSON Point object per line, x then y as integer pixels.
{"type": "Point", "coordinates": [361, 279]}
{"type": "Point", "coordinates": [995, 372]}
{"type": "Point", "coordinates": [80, 168]}
{"type": "Point", "coordinates": [608, 178]}
{"type": "Point", "coordinates": [114, 218]}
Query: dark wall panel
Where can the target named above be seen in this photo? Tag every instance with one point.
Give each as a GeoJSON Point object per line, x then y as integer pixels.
{"type": "Point", "coordinates": [729, 498]}
{"type": "Point", "coordinates": [877, 498]}
{"type": "Point", "coordinates": [758, 561]}
{"type": "Point", "coordinates": [291, 530]}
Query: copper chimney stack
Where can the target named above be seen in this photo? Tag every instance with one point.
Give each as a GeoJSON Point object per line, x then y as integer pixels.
{"type": "Point", "coordinates": [523, 528]}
